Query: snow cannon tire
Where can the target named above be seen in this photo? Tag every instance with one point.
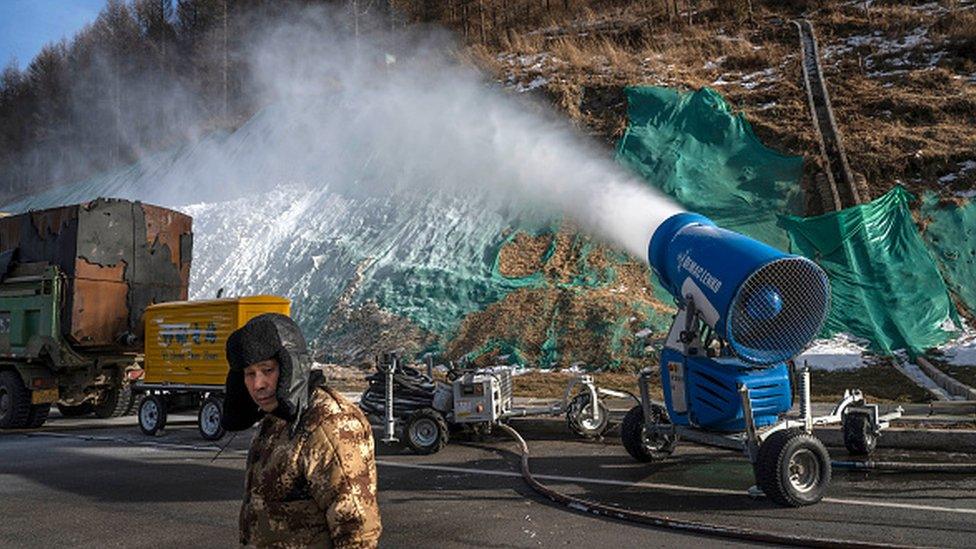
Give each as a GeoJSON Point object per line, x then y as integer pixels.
{"type": "Point", "coordinates": [632, 435]}
{"type": "Point", "coordinates": [859, 438]}
{"type": "Point", "coordinates": [793, 468]}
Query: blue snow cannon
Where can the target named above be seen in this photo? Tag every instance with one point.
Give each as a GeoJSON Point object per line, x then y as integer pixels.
{"type": "Point", "coordinates": [745, 308]}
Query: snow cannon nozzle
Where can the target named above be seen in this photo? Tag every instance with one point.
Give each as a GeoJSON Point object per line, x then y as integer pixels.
{"type": "Point", "coordinates": [767, 304]}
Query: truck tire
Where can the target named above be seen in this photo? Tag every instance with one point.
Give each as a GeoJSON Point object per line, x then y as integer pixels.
{"type": "Point", "coordinates": [134, 403]}
{"type": "Point", "coordinates": [210, 418]}
{"type": "Point", "coordinates": [15, 402]}
{"type": "Point", "coordinates": [82, 409]}
{"type": "Point", "coordinates": [152, 415]}
{"type": "Point", "coordinates": [38, 415]}
{"type": "Point", "coordinates": [115, 403]}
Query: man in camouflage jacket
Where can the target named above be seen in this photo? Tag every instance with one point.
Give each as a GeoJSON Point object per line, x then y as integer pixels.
{"type": "Point", "coordinates": [311, 471]}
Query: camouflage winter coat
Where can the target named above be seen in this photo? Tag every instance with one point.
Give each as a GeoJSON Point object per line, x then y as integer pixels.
{"type": "Point", "coordinates": [317, 487]}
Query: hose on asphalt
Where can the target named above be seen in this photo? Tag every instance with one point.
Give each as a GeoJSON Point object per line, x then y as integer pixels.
{"type": "Point", "coordinates": [662, 521]}
{"type": "Point", "coordinates": [908, 467]}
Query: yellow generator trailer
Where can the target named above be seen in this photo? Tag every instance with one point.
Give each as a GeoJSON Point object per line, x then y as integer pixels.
{"type": "Point", "coordinates": [185, 365]}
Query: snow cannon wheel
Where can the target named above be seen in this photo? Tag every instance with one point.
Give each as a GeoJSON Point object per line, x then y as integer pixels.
{"type": "Point", "coordinates": [859, 438]}
{"type": "Point", "coordinates": [793, 468]}
{"type": "Point", "coordinates": [579, 416]}
{"type": "Point", "coordinates": [426, 431]}
{"type": "Point", "coordinates": [644, 446]}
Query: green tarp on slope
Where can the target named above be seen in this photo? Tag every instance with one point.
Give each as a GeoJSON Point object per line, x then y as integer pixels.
{"type": "Point", "coordinates": [694, 149]}
{"type": "Point", "coordinates": [950, 232]}
{"type": "Point", "coordinates": [885, 286]}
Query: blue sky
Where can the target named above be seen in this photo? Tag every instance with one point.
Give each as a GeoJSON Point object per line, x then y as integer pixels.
{"type": "Point", "coordinates": [26, 25]}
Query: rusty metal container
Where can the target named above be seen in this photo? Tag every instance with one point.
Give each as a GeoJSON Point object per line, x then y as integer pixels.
{"type": "Point", "coordinates": [117, 257]}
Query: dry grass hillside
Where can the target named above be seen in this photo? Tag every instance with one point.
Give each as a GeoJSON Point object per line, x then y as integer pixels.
{"type": "Point", "coordinates": [902, 75]}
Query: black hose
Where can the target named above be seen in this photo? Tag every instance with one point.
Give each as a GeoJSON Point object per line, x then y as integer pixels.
{"type": "Point", "coordinates": [660, 521]}
{"type": "Point", "coordinates": [412, 391]}
{"type": "Point", "coordinates": [912, 467]}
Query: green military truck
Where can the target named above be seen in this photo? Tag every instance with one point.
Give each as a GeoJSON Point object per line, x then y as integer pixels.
{"type": "Point", "coordinates": [74, 283]}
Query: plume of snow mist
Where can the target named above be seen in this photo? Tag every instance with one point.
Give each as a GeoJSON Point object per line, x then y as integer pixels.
{"type": "Point", "coordinates": [395, 110]}
{"type": "Point", "coordinates": [387, 113]}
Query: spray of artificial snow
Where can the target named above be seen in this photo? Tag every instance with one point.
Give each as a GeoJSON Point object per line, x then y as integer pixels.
{"type": "Point", "coordinates": [393, 113]}
{"type": "Point", "coordinates": [410, 117]}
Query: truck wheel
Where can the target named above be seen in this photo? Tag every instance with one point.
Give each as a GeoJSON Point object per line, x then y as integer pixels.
{"type": "Point", "coordinates": [208, 420]}
{"type": "Point", "coordinates": [646, 446]}
{"type": "Point", "coordinates": [426, 431]}
{"type": "Point", "coordinates": [82, 409]}
{"type": "Point", "coordinates": [579, 416]}
{"type": "Point", "coordinates": [114, 403]}
{"type": "Point", "coordinates": [38, 415]}
{"type": "Point", "coordinates": [15, 404]}
{"type": "Point", "coordinates": [793, 468]}
{"type": "Point", "coordinates": [152, 415]}
{"type": "Point", "coordinates": [859, 438]}
{"type": "Point", "coordinates": [134, 403]}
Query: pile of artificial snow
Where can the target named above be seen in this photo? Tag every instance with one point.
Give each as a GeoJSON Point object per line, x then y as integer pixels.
{"type": "Point", "coordinates": [841, 352]}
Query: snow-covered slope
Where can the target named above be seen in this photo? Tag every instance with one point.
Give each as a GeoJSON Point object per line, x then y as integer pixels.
{"type": "Point", "coordinates": [306, 232]}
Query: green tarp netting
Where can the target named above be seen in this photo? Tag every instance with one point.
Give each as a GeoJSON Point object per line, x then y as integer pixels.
{"type": "Point", "coordinates": [693, 148]}
{"type": "Point", "coordinates": [885, 287]}
{"type": "Point", "coordinates": [950, 232]}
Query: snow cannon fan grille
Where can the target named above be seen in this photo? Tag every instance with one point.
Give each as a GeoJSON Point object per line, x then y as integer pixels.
{"type": "Point", "coordinates": [778, 310]}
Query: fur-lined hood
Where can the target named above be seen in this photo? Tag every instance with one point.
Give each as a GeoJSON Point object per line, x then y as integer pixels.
{"type": "Point", "coordinates": [265, 337]}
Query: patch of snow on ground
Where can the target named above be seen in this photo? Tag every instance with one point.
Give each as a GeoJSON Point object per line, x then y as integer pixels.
{"type": "Point", "coordinates": [841, 352]}
{"type": "Point", "coordinates": [710, 65]}
{"type": "Point", "coordinates": [966, 166]}
{"type": "Point", "coordinates": [748, 81]}
{"type": "Point", "coordinates": [889, 57]}
{"type": "Point", "coordinates": [913, 372]}
{"type": "Point", "coordinates": [961, 351]}
{"type": "Point", "coordinates": [536, 82]}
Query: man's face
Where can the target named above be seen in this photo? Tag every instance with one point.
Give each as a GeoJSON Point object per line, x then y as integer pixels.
{"type": "Point", "coordinates": [261, 379]}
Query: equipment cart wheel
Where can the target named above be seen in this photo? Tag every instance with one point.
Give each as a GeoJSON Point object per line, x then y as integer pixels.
{"type": "Point", "coordinates": [209, 418]}
{"type": "Point", "coordinates": [426, 431]}
{"type": "Point", "coordinates": [152, 415]}
{"type": "Point", "coordinates": [579, 416]}
{"type": "Point", "coordinates": [859, 438]}
{"type": "Point", "coordinates": [793, 468]}
{"type": "Point", "coordinates": [644, 446]}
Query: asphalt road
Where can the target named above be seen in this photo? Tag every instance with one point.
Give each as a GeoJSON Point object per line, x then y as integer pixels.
{"type": "Point", "coordinates": [71, 484]}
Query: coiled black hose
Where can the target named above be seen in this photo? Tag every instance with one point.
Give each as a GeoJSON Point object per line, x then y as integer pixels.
{"type": "Point", "coordinates": [412, 391]}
